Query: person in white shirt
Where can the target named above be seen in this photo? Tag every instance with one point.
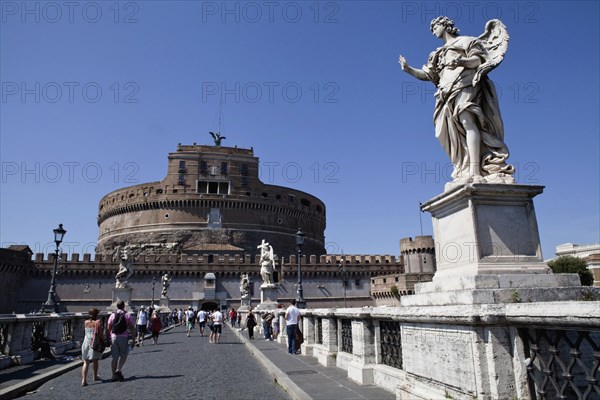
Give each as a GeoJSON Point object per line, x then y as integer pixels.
{"type": "Point", "coordinates": [141, 325]}
{"type": "Point", "coordinates": [201, 321]}
{"type": "Point", "coordinates": [190, 316]}
{"type": "Point", "coordinates": [215, 335]}
{"type": "Point", "coordinates": [291, 325]}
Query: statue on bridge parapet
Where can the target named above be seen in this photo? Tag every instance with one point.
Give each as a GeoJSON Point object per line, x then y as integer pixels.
{"type": "Point", "coordinates": [166, 282]}
{"type": "Point", "coordinates": [467, 117]}
{"type": "Point", "coordinates": [125, 271]}
{"type": "Point", "coordinates": [244, 286]}
{"type": "Point", "coordinates": [267, 264]}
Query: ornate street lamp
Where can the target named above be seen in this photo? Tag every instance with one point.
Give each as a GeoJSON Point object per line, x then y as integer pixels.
{"type": "Point", "coordinates": [344, 271]}
{"type": "Point", "coordinates": [51, 305]}
{"type": "Point", "coordinates": [153, 283]}
{"type": "Point", "coordinates": [300, 303]}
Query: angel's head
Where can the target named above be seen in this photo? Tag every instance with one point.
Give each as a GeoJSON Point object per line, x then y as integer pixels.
{"type": "Point", "coordinates": [444, 22]}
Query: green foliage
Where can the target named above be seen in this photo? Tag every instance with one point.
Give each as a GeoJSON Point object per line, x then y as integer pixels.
{"type": "Point", "coordinates": [394, 290]}
{"type": "Point", "coordinates": [516, 297]}
{"type": "Point", "coordinates": [572, 265]}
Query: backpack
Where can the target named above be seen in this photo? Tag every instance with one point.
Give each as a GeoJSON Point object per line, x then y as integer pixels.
{"type": "Point", "coordinates": [119, 323]}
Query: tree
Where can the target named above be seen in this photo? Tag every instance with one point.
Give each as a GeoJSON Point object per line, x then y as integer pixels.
{"type": "Point", "coordinates": [572, 265]}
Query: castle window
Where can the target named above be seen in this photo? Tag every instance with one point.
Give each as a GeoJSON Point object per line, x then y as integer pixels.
{"type": "Point", "coordinates": [305, 202]}
{"type": "Point", "coordinates": [212, 187]}
{"type": "Point", "coordinates": [265, 195]}
{"type": "Point", "coordinates": [278, 197]}
{"type": "Point", "coordinates": [182, 166]}
{"type": "Point", "coordinates": [181, 180]}
{"type": "Point", "coordinates": [244, 181]}
{"type": "Point", "coordinates": [203, 167]}
{"type": "Point", "coordinates": [291, 198]}
{"type": "Point", "coordinates": [319, 208]}
{"type": "Point", "coordinates": [357, 282]}
{"type": "Point", "coordinates": [244, 169]}
{"type": "Point", "coordinates": [223, 168]}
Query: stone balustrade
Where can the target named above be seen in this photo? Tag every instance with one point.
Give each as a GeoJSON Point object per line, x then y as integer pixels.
{"type": "Point", "coordinates": [493, 351]}
{"type": "Point", "coordinates": [21, 336]}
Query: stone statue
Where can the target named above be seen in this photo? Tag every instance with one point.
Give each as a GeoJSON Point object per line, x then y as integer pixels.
{"type": "Point", "coordinates": [125, 267]}
{"type": "Point", "coordinates": [267, 263]}
{"type": "Point", "coordinates": [467, 115]}
{"type": "Point", "coordinates": [217, 138]}
{"type": "Point", "coordinates": [245, 286]}
{"type": "Point", "coordinates": [166, 282]}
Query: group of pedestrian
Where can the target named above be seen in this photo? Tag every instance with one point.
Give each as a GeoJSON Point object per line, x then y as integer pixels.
{"type": "Point", "coordinates": [214, 320]}
{"type": "Point", "coordinates": [122, 331]}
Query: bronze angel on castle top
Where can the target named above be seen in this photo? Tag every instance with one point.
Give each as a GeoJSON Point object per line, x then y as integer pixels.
{"type": "Point", "coordinates": [467, 117]}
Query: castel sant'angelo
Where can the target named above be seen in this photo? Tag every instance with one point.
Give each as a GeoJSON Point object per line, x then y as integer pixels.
{"type": "Point", "coordinates": [202, 224]}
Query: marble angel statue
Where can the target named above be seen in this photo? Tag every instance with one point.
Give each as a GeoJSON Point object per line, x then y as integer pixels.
{"type": "Point", "coordinates": [467, 115]}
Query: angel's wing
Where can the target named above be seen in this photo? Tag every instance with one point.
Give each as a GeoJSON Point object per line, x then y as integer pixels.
{"type": "Point", "coordinates": [495, 40]}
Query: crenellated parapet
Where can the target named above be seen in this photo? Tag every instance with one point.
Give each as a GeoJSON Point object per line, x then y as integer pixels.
{"type": "Point", "coordinates": [419, 254]}
{"type": "Point", "coordinates": [221, 264]}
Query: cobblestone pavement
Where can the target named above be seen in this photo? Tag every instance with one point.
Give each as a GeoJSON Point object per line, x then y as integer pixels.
{"type": "Point", "coordinates": [177, 368]}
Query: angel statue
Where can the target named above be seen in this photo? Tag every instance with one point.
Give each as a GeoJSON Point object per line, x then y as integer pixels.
{"type": "Point", "coordinates": [166, 282]}
{"type": "Point", "coordinates": [217, 138]}
{"type": "Point", "coordinates": [245, 286]}
{"type": "Point", "coordinates": [467, 115]}
{"type": "Point", "coordinates": [125, 267]}
{"type": "Point", "coordinates": [267, 263]}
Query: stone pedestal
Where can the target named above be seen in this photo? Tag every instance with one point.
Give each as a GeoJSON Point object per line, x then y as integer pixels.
{"type": "Point", "coordinates": [245, 304]}
{"type": "Point", "coordinates": [268, 297]}
{"type": "Point", "coordinates": [119, 294]}
{"type": "Point", "coordinates": [488, 250]}
{"type": "Point", "coordinates": [163, 305]}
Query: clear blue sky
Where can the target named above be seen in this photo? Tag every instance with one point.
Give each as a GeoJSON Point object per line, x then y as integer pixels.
{"type": "Point", "coordinates": [95, 94]}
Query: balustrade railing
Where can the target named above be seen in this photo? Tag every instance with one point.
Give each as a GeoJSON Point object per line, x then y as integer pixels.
{"type": "Point", "coordinates": [562, 364]}
{"type": "Point", "coordinates": [391, 343]}
{"type": "Point", "coordinates": [319, 329]}
{"type": "Point", "coordinates": [346, 336]}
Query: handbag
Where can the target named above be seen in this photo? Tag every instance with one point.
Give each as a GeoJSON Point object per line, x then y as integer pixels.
{"type": "Point", "coordinates": [99, 346]}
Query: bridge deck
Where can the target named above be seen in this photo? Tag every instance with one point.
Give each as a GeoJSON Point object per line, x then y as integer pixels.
{"type": "Point", "coordinates": [182, 367]}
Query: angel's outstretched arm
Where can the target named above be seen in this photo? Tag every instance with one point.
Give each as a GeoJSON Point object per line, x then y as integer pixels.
{"type": "Point", "coordinates": [417, 73]}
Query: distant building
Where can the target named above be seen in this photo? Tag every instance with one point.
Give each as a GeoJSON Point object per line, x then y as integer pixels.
{"type": "Point", "coordinates": [590, 253]}
{"type": "Point", "coordinates": [418, 256]}
{"type": "Point", "coordinates": [211, 201]}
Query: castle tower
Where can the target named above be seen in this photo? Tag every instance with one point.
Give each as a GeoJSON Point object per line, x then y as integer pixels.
{"type": "Point", "coordinates": [211, 202]}
{"type": "Point", "coordinates": [419, 254]}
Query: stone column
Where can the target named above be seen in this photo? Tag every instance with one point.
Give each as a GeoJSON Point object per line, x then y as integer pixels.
{"type": "Point", "coordinates": [308, 330]}
{"type": "Point", "coordinates": [360, 369]}
{"type": "Point", "coordinates": [327, 352]}
{"type": "Point", "coordinates": [54, 334]}
{"type": "Point", "coordinates": [20, 341]}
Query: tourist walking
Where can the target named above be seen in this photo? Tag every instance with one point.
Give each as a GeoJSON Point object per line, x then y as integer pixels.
{"type": "Point", "coordinates": [189, 320]}
{"type": "Point", "coordinates": [250, 324]}
{"type": "Point", "coordinates": [239, 319]}
{"type": "Point", "coordinates": [217, 319]}
{"type": "Point", "coordinates": [201, 321]}
{"type": "Point", "coordinates": [121, 328]}
{"type": "Point", "coordinates": [141, 324]}
{"type": "Point", "coordinates": [93, 345]}
{"type": "Point", "coordinates": [291, 325]}
{"type": "Point", "coordinates": [155, 326]}
{"type": "Point", "coordinates": [267, 319]}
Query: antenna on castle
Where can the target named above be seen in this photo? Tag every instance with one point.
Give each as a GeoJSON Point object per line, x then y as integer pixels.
{"type": "Point", "coordinates": [420, 219]}
{"type": "Point", "coordinates": [220, 113]}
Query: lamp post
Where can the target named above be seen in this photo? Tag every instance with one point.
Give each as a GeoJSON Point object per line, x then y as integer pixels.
{"type": "Point", "coordinates": [50, 305]}
{"type": "Point", "coordinates": [344, 272]}
{"type": "Point", "coordinates": [153, 283]}
{"type": "Point", "coordinates": [300, 303]}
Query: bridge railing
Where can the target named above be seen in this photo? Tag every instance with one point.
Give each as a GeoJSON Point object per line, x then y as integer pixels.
{"type": "Point", "coordinates": [524, 350]}
{"type": "Point", "coordinates": [27, 337]}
